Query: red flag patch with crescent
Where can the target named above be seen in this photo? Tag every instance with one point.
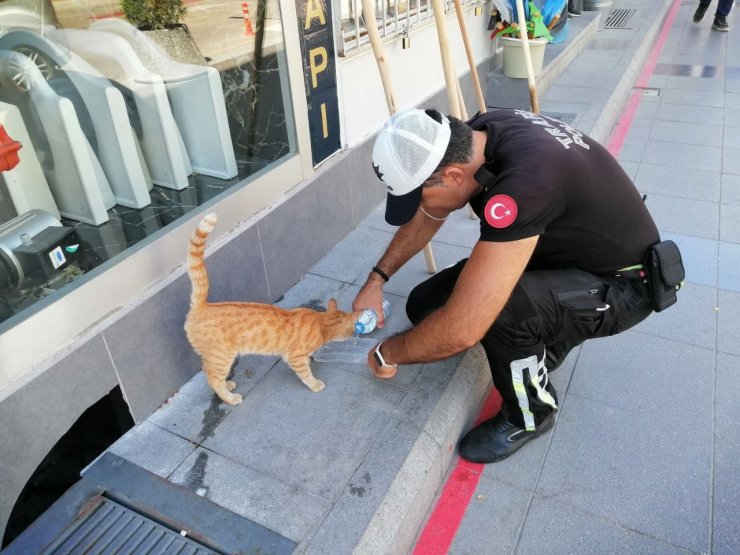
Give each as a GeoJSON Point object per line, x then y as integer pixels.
{"type": "Point", "coordinates": [500, 211]}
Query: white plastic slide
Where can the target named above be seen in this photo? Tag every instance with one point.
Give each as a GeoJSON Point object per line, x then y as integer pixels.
{"type": "Point", "coordinates": [26, 184]}
{"type": "Point", "coordinates": [196, 98]}
{"type": "Point", "coordinates": [161, 142]}
{"type": "Point", "coordinates": [115, 142]}
{"type": "Point", "coordinates": [74, 175]}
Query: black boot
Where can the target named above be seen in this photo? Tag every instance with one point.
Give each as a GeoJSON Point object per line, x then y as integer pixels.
{"type": "Point", "coordinates": [572, 10]}
{"type": "Point", "coordinates": [497, 438]}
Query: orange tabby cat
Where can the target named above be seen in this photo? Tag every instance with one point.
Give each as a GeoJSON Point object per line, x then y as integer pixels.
{"type": "Point", "coordinates": [219, 332]}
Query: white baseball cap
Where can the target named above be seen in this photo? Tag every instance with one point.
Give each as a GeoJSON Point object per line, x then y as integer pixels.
{"type": "Point", "coordinates": [406, 152]}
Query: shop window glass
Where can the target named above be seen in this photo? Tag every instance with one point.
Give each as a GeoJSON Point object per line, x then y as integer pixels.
{"type": "Point", "coordinates": [123, 131]}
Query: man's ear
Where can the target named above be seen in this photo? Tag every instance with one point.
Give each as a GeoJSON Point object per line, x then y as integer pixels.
{"type": "Point", "coordinates": [453, 175]}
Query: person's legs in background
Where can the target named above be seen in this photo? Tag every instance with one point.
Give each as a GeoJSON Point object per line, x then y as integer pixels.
{"type": "Point", "coordinates": [700, 11]}
{"type": "Point", "coordinates": [720, 16]}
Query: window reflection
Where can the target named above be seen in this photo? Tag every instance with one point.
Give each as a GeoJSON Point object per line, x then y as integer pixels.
{"type": "Point", "coordinates": [123, 131]}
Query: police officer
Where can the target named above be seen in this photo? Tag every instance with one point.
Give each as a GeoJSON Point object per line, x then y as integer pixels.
{"type": "Point", "coordinates": [563, 235]}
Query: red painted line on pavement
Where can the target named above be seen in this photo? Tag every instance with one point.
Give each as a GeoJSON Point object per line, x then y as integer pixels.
{"type": "Point", "coordinates": [444, 521]}
{"type": "Point", "coordinates": [440, 529]}
{"type": "Point", "coordinates": [633, 102]}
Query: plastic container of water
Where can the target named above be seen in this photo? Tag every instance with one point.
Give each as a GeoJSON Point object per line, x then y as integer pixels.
{"type": "Point", "coordinates": [349, 351]}
{"type": "Point", "coordinates": [354, 350]}
{"type": "Point", "coordinates": [368, 319]}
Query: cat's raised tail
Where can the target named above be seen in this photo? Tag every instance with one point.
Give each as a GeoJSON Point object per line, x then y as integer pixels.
{"type": "Point", "coordinates": [196, 259]}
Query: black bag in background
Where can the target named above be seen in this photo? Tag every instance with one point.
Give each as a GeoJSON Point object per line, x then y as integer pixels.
{"type": "Point", "coordinates": [665, 273]}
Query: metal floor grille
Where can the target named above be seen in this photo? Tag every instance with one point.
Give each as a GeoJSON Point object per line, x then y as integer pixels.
{"type": "Point", "coordinates": [118, 507]}
{"type": "Point", "coordinates": [112, 528]}
{"type": "Point", "coordinates": [619, 19]}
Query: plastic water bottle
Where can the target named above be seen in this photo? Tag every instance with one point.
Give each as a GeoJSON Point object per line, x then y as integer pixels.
{"type": "Point", "coordinates": [355, 349]}
{"type": "Point", "coordinates": [368, 319]}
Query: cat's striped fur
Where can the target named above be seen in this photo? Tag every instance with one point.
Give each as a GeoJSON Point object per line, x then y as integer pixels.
{"type": "Point", "coordinates": [219, 332]}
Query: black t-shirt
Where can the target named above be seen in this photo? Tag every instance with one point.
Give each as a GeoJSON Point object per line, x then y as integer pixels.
{"type": "Point", "coordinates": [551, 180]}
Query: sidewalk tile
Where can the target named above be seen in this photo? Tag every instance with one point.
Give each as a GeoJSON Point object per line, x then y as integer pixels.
{"type": "Point", "coordinates": [708, 115]}
{"type": "Point", "coordinates": [637, 137]}
{"type": "Point", "coordinates": [353, 257]}
{"type": "Point", "coordinates": [729, 227]}
{"type": "Point", "coordinates": [695, 84]}
{"type": "Point", "coordinates": [732, 117]}
{"type": "Point", "coordinates": [630, 168]}
{"type": "Point", "coordinates": [194, 411]}
{"type": "Point", "coordinates": [685, 216]}
{"type": "Point", "coordinates": [492, 519]}
{"type": "Point", "coordinates": [732, 100]}
{"type": "Point", "coordinates": [731, 160]}
{"type": "Point", "coordinates": [427, 388]}
{"type": "Point", "coordinates": [306, 438]}
{"type": "Point", "coordinates": [261, 498]}
{"type": "Point", "coordinates": [683, 155]}
{"type": "Point", "coordinates": [359, 499]}
{"type": "Point", "coordinates": [699, 257]}
{"type": "Point", "coordinates": [667, 179]}
{"type": "Point", "coordinates": [568, 530]}
{"type": "Point", "coordinates": [692, 320]}
{"type": "Point", "coordinates": [134, 447]}
{"type": "Point", "coordinates": [694, 97]}
{"type": "Point", "coordinates": [415, 271]}
{"type": "Point", "coordinates": [731, 137]}
{"type": "Point", "coordinates": [727, 454]}
{"type": "Point", "coordinates": [730, 189]}
{"type": "Point", "coordinates": [630, 469]}
{"type": "Point", "coordinates": [728, 330]}
{"type": "Point", "coordinates": [673, 131]}
{"type": "Point", "coordinates": [646, 375]}
{"type": "Point", "coordinates": [729, 266]}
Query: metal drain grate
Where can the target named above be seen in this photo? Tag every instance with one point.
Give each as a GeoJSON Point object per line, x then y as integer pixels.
{"type": "Point", "coordinates": [113, 527]}
{"type": "Point", "coordinates": [118, 507]}
{"type": "Point", "coordinates": [619, 19]}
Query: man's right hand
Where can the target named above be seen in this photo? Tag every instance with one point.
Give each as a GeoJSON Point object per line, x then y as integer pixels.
{"type": "Point", "coordinates": [371, 296]}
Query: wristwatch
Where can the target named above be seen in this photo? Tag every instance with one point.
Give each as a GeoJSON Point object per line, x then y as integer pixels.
{"type": "Point", "coordinates": [379, 357]}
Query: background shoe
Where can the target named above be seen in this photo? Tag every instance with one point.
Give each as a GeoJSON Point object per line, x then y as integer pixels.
{"type": "Point", "coordinates": [720, 24]}
{"type": "Point", "coordinates": [572, 11]}
{"type": "Point", "coordinates": [699, 13]}
{"type": "Point", "coordinates": [497, 438]}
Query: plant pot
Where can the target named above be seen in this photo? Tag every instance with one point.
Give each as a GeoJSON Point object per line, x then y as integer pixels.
{"type": "Point", "coordinates": [179, 44]}
{"type": "Point", "coordinates": [514, 63]}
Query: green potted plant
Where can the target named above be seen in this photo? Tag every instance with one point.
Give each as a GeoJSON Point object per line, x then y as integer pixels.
{"type": "Point", "coordinates": [162, 20]}
{"type": "Point", "coordinates": [538, 34]}
{"type": "Point", "coordinates": [151, 15]}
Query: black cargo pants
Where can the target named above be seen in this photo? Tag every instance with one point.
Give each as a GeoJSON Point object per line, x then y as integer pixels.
{"type": "Point", "coordinates": [549, 313]}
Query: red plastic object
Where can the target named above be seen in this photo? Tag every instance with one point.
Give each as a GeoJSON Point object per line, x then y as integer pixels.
{"type": "Point", "coordinates": [8, 151]}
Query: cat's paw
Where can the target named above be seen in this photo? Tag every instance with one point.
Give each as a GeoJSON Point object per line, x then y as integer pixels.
{"type": "Point", "coordinates": [317, 386]}
{"type": "Point", "coordinates": [233, 399]}
{"type": "Point", "coordinates": [230, 385]}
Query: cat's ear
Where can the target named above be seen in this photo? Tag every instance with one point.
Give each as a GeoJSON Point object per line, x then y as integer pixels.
{"type": "Point", "coordinates": [331, 306]}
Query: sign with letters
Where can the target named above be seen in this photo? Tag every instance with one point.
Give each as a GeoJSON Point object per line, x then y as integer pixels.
{"type": "Point", "coordinates": [319, 75]}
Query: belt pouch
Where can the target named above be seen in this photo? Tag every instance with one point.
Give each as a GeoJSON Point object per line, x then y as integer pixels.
{"type": "Point", "coordinates": [665, 273]}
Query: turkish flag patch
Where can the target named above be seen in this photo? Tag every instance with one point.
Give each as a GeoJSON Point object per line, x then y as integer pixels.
{"type": "Point", "coordinates": [500, 211]}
